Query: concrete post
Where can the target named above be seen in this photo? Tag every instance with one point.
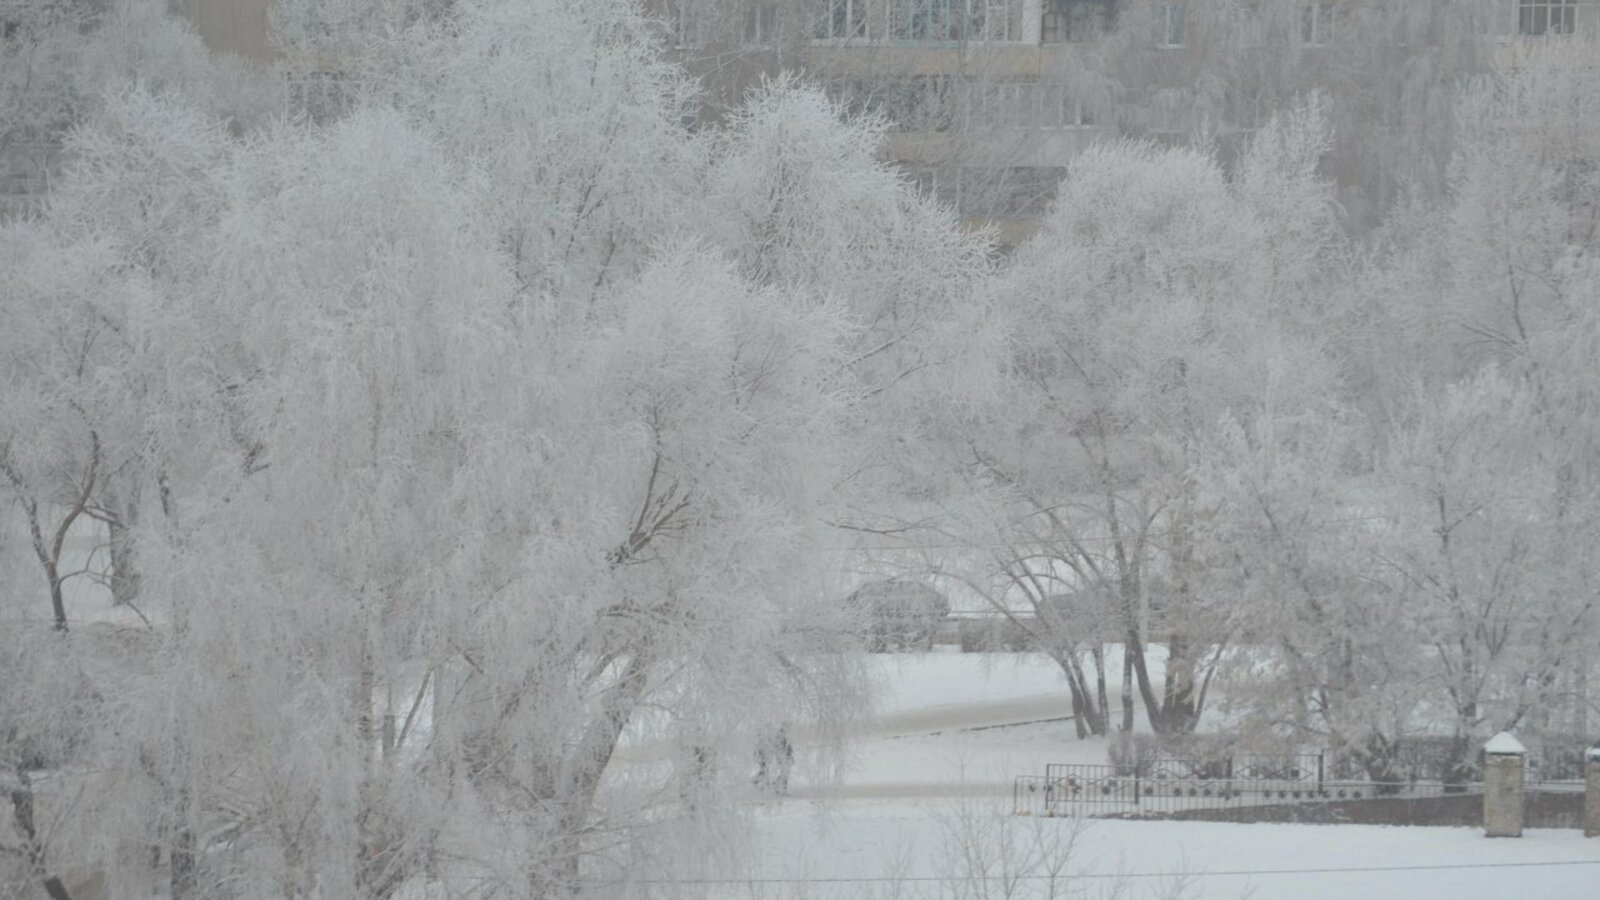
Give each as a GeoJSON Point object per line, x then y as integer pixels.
{"type": "Point", "coordinates": [1502, 786]}
{"type": "Point", "coordinates": [1591, 794]}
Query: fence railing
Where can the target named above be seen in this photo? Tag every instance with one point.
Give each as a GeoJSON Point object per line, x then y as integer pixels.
{"type": "Point", "coordinates": [1164, 787]}
{"type": "Point", "coordinates": [1553, 804]}
{"type": "Point", "coordinates": [1259, 789]}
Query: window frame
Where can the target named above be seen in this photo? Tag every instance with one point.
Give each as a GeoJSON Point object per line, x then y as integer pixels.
{"type": "Point", "coordinates": [760, 24]}
{"type": "Point", "coordinates": [684, 24]}
{"type": "Point", "coordinates": [842, 20]}
{"type": "Point", "coordinates": [1317, 23]}
{"type": "Point", "coordinates": [921, 21]}
{"type": "Point", "coordinates": [1543, 13]}
{"type": "Point", "coordinates": [1172, 19]}
{"type": "Point", "coordinates": [944, 22]}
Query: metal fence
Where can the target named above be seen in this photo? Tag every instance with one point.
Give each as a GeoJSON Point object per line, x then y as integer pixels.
{"type": "Point", "coordinates": [1550, 760]}
{"type": "Point", "coordinates": [1274, 788]}
{"type": "Point", "coordinates": [1436, 758]}
{"type": "Point", "coordinates": [1553, 804]}
{"type": "Point", "coordinates": [1164, 787]}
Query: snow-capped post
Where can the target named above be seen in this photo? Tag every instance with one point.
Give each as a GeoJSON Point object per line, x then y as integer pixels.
{"type": "Point", "coordinates": [1502, 786]}
{"type": "Point", "coordinates": [1591, 793]}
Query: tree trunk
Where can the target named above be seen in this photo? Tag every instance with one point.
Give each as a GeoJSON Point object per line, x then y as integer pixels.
{"type": "Point", "coordinates": [58, 603]}
{"type": "Point", "coordinates": [1097, 720]}
{"type": "Point", "coordinates": [22, 818]}
{"type": "Point", "coordinates": [49, 552]}
{"type": "Point", "coordinates": [1178, 694]}
{"type": "Point", "coordinates": [581, 781]}
{"type": "Point", "coordinates": [1087, 719]}
{"type": "Point", "coordinates": [49, 556]}
{"type": "Point", "coordinates": [1104, 703]}
{"type": "Point", "coordinates": [1078, 725]}
{"type": "Point", "coordinates": [1134, 651]}
{"type": "Point", "coordinates": [361, 696]}
{"type": "Point", "coordinates": [124, 569]}
{"type": "Point", "coordinates": [1127, 690]}
{"type": "Point", "coordinates": [1381, 760]}
{"type": "Point", "coordinates": [1580, 696]}
{"type": "Point", "coordinates": [1097, 712]}
{"type": "Point", "coordinates": [184, 876]}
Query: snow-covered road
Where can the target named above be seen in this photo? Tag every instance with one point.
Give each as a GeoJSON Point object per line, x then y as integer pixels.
{"type": "Point", "coordinates": [969, 716]}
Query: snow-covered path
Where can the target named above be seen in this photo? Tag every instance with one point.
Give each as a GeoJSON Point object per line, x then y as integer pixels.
{"type": "Point", "coordinates": [970, 716]}
{"type": "Point", "coordinates": [958, 725]}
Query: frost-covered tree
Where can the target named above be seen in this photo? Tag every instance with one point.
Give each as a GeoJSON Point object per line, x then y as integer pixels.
{"type": "Point", "coordinates": [1420, 588]}
{"type": "Point", "coordinates": [580, 175]}
{"type": "Point", "coordinates": [1326, 657]}
{"type": "Point", "coordinates": [1477, 557]}
{"type": "Point", "coordinates": [1464, 478]}
{"type": "Point", "coordinates": [467, 486]}
{"type": "Point", "coordinates": [59, 58]}
{"type": "Point", "coordinates": [1501, 278]}
{"type": "Point", "coordinates": [53, 456]}
{"type": "Point", "coordinates": [802, 204]}
{"type": "Point", "coordinates": [1147, 310]}
{"type": "Point", "coordinates": [99, 70]}
{"type": "Point", "coordinates": [983, 128]}
{"type": "Point", "coordinates": [39, 96]}
{"type": "Point", "coordinates": [86, 292]}
{"type": "Point", "coordinates": [1390, 70]}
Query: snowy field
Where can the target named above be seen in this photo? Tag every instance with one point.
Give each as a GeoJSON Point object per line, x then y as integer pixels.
{"type": "Point", "coordinates": [882, 842]}
{"type": "Point", "coordinates": [964, 724]}
{"type": "Point", "coordinates": [934, 776]}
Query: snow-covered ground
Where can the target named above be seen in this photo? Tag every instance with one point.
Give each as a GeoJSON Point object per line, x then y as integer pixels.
{"type": "Point", "coordinates": [881, 842]}
{"type": "Point", "coordinates": [962, 724]}
{"type": "Point", "coordinates": [929, 681]}
{"type": "Point", "coordinates": [937, 765]}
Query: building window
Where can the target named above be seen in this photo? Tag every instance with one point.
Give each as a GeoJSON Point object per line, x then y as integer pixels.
{"type": "Point", "coordinates": [1002, 20]}
{"type": "Point", "coordinates": [1002, 104]}
{"type": "Point", "coordinates": [683, 23]}
{"type": "Point", "coordinates": [1060, 107]}
{"type": "Point", "coordinates": [1172, 25]}
{"type": "Point", "coordinates": [1536, 17]}
{"type": "Point", "coordinates": [1316, 24]}
{"type": "Point", "coordinates": [944, 21]}
{"type": "Point", "coordinates": [1250, 24]}
{"type": "Point", "coordinates": [928, 20]}
{"type": "Point", "coordinates": [842, 20]}
{"type": "Point", "coordinates": [855, 95]}
{"type": "Point", "coordinates": [917, 103]}
{"type": "Point", "coordinates": [1073, 21]}
{"type": "Point", "coordinates": [761, 23]}
{"type": "Point", "coordinates": [1022, 105]}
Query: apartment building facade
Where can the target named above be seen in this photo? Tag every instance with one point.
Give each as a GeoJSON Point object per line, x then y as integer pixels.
{"type": "Point", "coordinates": [989, 100]}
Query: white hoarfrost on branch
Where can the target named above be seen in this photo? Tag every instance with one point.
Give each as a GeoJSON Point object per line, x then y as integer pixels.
{"type": "Point", "coordinates": [465, 485]}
